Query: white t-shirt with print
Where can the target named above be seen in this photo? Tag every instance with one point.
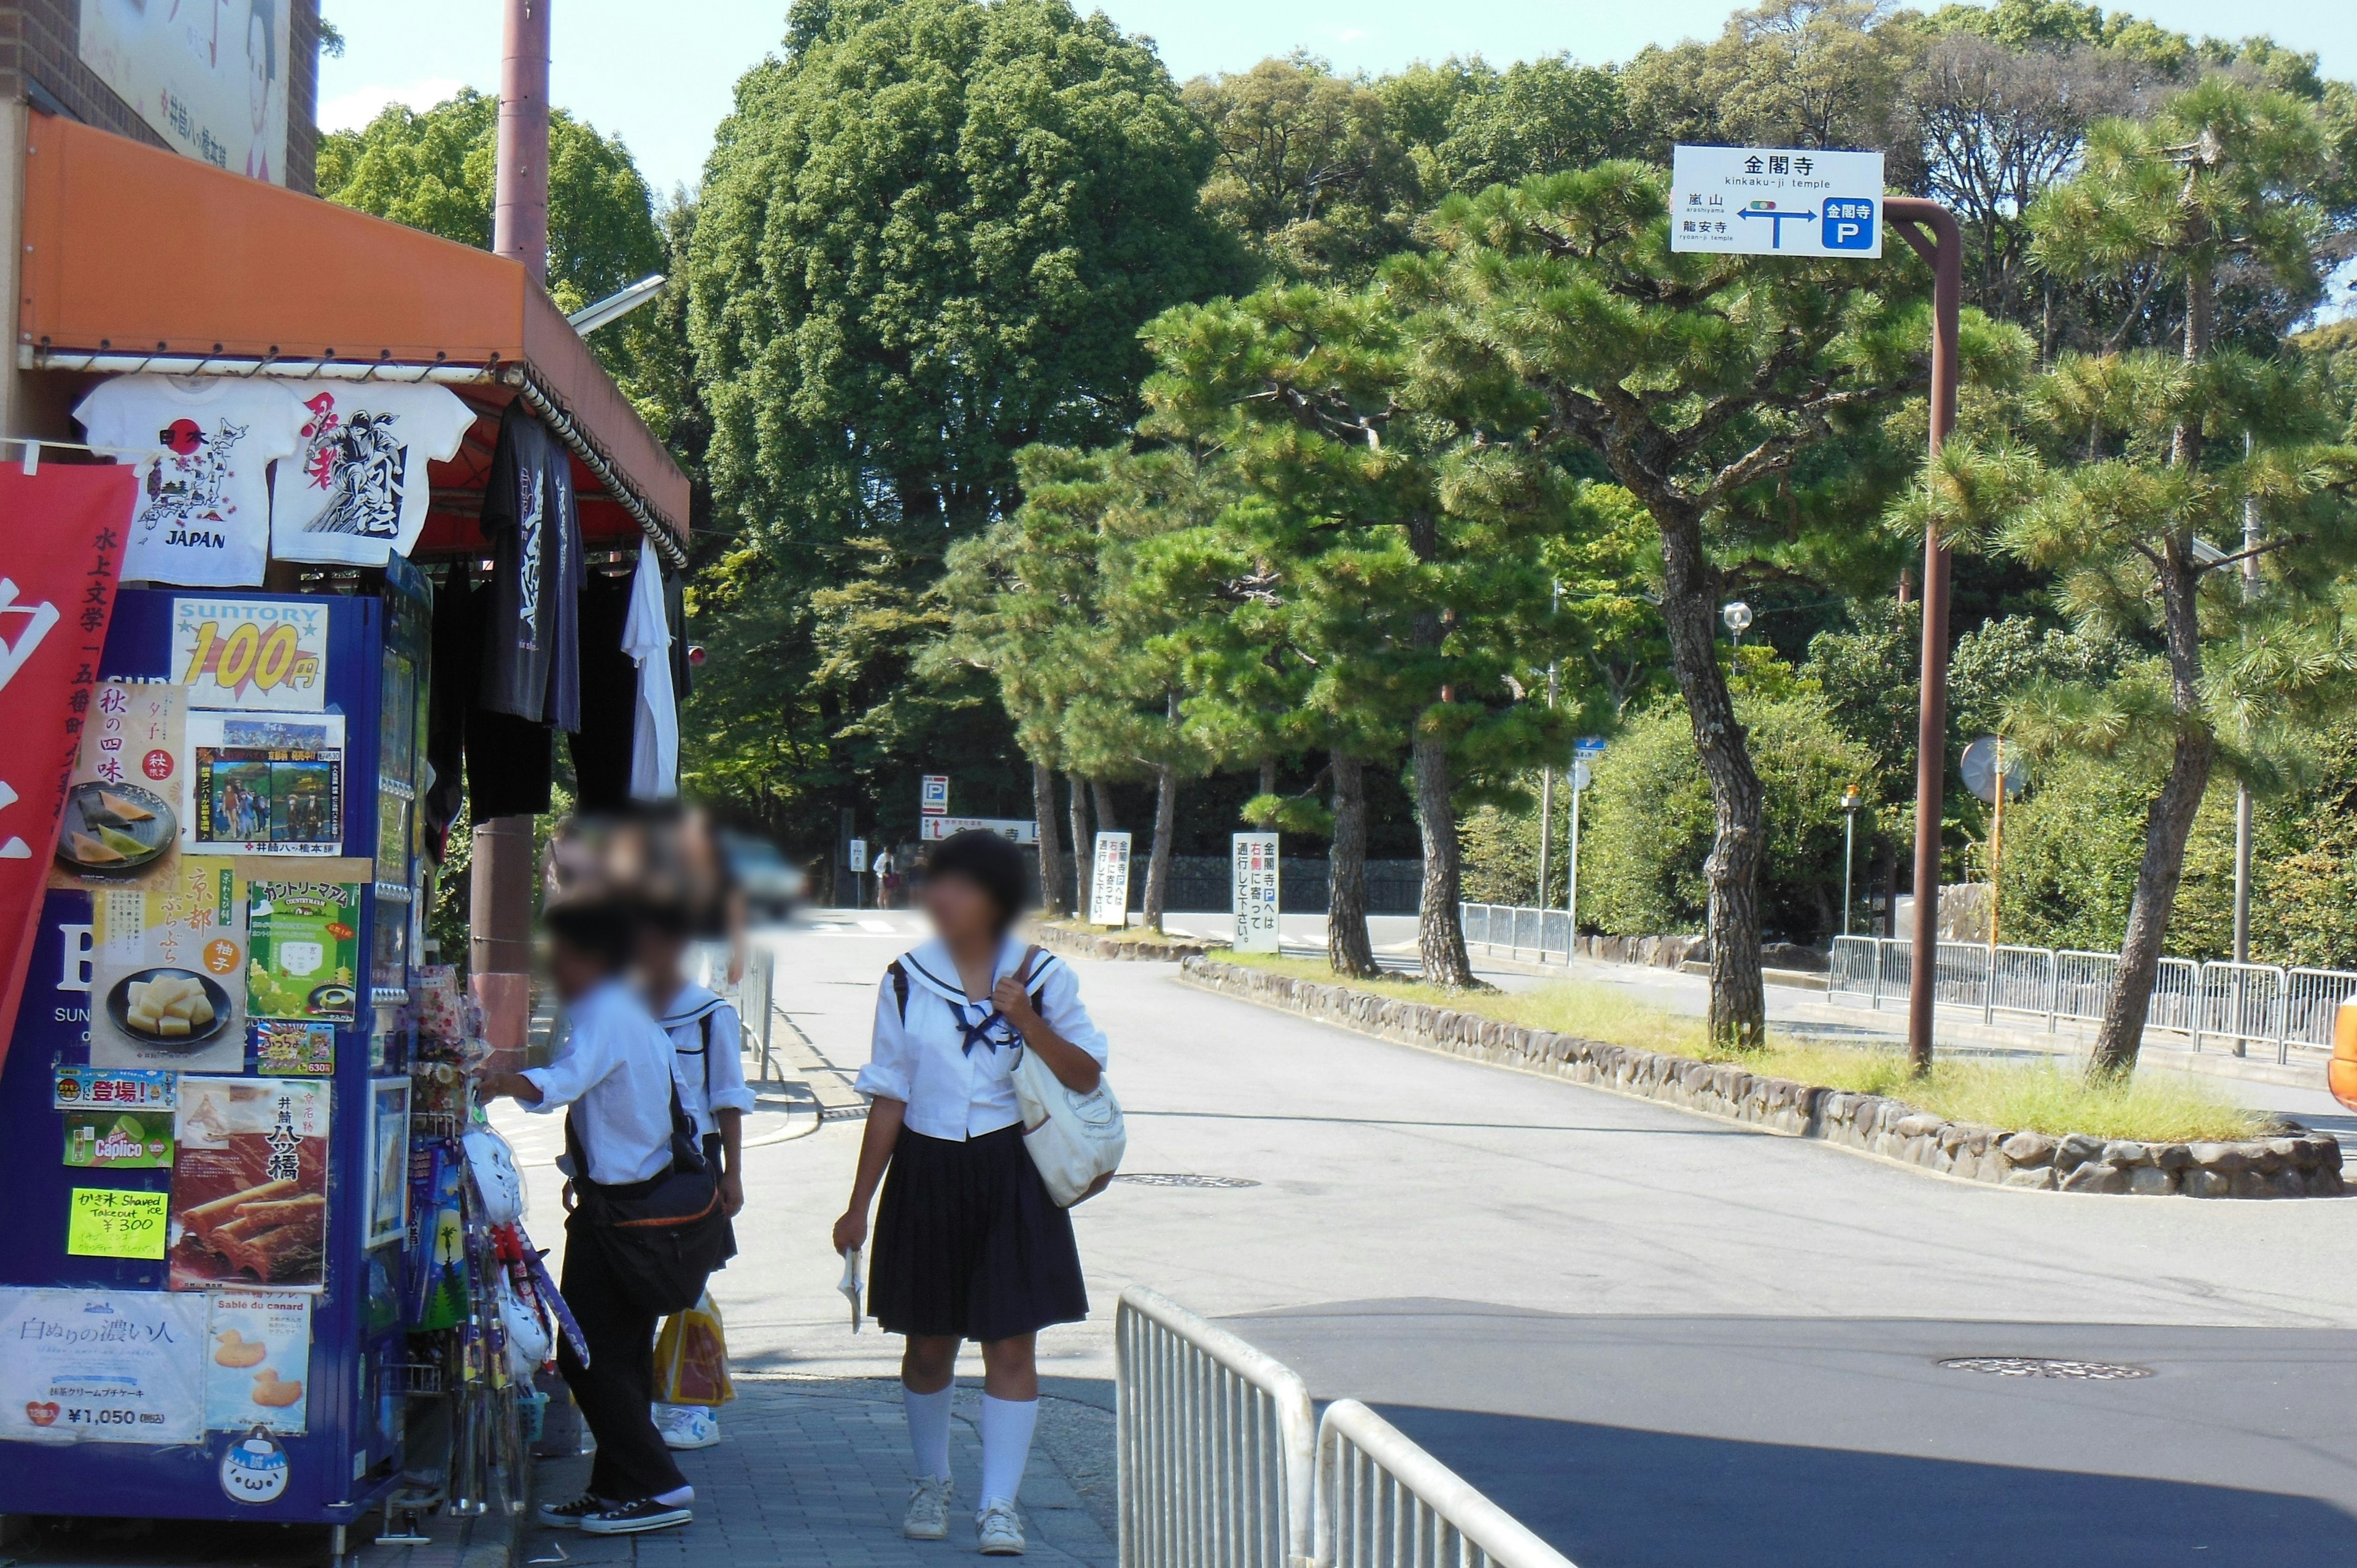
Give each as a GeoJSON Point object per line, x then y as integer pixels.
{"type": "Point", "coordinates": [646, 638]}
{"type": "Point", "coordinates": [203, 518]}
{"type": "Point", "coordinates": [356, 489]}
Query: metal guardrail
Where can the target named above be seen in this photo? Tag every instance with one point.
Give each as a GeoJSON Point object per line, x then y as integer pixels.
{"type": "Point", "coordinates": [1383, 1502]}
{"type": "Point", "coordinates": [1216, 1442]}
{"type": "Point", "coordinates": [2240, 1005]}
{"type": "Point", "coordinates": [1222, 1465]}
{"type": "Point", "coordinates": [1518, 929]}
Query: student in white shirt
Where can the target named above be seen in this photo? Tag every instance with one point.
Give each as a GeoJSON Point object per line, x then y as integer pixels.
{"type": "Point", "coordinates": [968, 1243]}
{"type": "Point", "coordinates": [706, 1038]}
{"type": "Point", "coordinates": [616, 1080]}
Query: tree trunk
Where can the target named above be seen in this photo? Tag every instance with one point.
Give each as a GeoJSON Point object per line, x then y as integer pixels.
{"type": "Point", "coordinates": [1439, 929]}
{"type": "Point", "coordinates": [1738, 1007]}
{"type": "Point", "coordinates": [1084, 850]}
{"type": "Point", "coordinates": [1105, 822]}
{"type": "Point", "coordinates": [1157, 865]}
{"type": "Point", "coordinates": [1051, 835]}
{"type": "Point", "coordinates": [1268, 775]}
{"type": "Point", "coordinates": [1347, 947]}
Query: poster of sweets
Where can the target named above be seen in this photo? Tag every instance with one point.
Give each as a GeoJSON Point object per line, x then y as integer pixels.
{"type": "Point", "coordinates": [265, 784]}
{"type": "Point", "coordinates": [102, 1367]}
{"type": "Point", "coordinates": [121, 820]}
{"type": "Point", "coordinates": [165, 962]}
{"type": "Point", "coordinates": [257, 1359]}
{"type": "Point", "coordinates": [305, 937]}
{"type": "Point", "coordinates": [250, 1183]}
{"type": "Point", "coordinates": [119, 1140]}
{"type": "Point", "coordinates": [284, 1048]}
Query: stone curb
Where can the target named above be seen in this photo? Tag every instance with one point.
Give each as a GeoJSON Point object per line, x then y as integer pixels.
{"type": "Point", "coordinates": [2298, 1164]}
{"type": "Point", "coordinates": [1075, 944]}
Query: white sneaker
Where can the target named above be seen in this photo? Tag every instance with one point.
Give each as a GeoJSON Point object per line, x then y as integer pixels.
{"type": "Point", "coordinates": [689, 1426]}
{"type": "Point", "coordinates": [1002, 1532]}
{"type": "Point", "coordinates": [928, 1518]}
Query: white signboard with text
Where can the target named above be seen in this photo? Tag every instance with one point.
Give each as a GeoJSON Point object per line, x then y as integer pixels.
{"type": "Point", "coordinates": [1255, 891]}
{"type": "Point", "coordinates": [211, 79]}
{"type": "Point", "coordinates": [933, 794]}
{"type": "Point", "coordinates": [1022, 830]}
{"type": "Point", "coordinates": [1776, 201]}
{"type": "Point", "coordinates": [103, 1365]}
{"type": "Point", "coordinates": [1109, 886]}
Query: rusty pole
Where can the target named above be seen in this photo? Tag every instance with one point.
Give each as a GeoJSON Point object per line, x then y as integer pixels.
{"type": "Point", "coordinates": [500, 944]}
{"type": "Point", "coordinates": [1931, 230]}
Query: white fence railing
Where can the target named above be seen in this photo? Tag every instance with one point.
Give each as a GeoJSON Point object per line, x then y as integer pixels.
{"type": "Point", "coordinates": [1383, 1502]}
{"type": "Point", "coordinates": [2237, 1006]}
{"type": "Point", "coordinates": [1516, 929]}
{"type": "Point", "coordinates": [1221, 1466]}
{"type": "Point", "coordinates": [1216, 1440]}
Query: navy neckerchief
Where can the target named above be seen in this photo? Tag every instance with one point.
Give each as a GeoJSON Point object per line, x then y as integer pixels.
{"type": "Point", "coordinates": [986, 1026]}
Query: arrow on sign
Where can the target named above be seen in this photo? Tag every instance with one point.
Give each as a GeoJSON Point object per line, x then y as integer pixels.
{"type": "Point", "coordinates": [1776, 220]}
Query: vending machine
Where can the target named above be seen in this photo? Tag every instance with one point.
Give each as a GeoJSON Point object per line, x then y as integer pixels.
{"type": "Point", "coordinates": [205, 1105]}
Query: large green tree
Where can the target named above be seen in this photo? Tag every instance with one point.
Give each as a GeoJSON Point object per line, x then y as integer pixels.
{"type": "Point", "coordinates": [926, 239]}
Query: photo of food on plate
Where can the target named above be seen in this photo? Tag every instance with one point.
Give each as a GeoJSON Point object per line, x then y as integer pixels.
{"type": "Point", "coordinates": [113, 829]}
{"type": "Point", "coordinates": [250, 1183]}
{"type": "Point", "coordinates": [169, 1005]}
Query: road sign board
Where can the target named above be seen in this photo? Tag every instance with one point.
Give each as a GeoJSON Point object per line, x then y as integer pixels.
{"type": "Point", "coordinates": [1590, 746]}
{"type": "Point", "coordinates": [860, 854]}
{"type": "Point", "coordinates": [1022, 830]}
{"type": "Point", "coordinates": [1580, 777]}
{"type": "Point", "coordinates": [1979, 764]}
{"type": "Point", "coordinates": [1253, 893]}
{"type": "Point", "coordinates": [933, 794]}
{"type": "Point", "coordinates": [1776, 201]}
{"type": "Point", "coordinates": [1108, 887]}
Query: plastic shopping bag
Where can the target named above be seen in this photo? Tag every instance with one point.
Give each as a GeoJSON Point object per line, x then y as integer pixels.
{"type": "Point", "coordinates": [691, 1358]}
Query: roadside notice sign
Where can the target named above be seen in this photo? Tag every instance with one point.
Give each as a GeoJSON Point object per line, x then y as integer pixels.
{"type": "Point", "coordinates": [1253, 893]}
{"type": "Point", "coordinates": [1109, 886]}
{"type": "Point", "coordinates": [860, 854]}
{"type": "Point", "coordinates": [934, 795]}
{"type": "Point", "coordinates": [1021, 830]}
{"type": "Point", "coordinates": [1776, 201]}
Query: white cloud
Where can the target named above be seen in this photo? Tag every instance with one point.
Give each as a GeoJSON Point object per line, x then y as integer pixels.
{"type": "Point", "coordinates": [351, 111]}
{"type": "Point", "coordinates": [1351, 36]}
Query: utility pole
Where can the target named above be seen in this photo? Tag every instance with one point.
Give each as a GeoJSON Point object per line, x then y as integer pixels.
{"type": "Point", "coordinates": [499, 940]}
{"type": "Point", "coordinates": [2242, 791]}
{"type": "Point", "coordinates": [1849, 847]}
{"type": "Point", "coordinates": [1931, 230]}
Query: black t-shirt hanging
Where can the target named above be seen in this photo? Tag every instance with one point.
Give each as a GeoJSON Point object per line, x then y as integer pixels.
{"type": "Point", "coordinates": [531, 665]}
{"type": "Point", "coordinates": [601, 746]}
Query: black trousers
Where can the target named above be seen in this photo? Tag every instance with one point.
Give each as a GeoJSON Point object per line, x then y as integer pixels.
{"type": "Point", "coordinates": [613, 1390]}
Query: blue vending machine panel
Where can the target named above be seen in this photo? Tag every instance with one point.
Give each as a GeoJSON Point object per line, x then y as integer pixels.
{"type": "Point", "coordinates": [126, 1396]}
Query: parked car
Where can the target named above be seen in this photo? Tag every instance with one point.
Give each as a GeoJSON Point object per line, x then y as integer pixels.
{"type": "Point", "coordinates": [772, 884]}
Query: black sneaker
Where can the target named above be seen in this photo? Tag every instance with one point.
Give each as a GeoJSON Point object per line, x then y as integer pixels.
{"type": "Point", "coordinates": [568, 1516]}
{"type": "Point", "coordinates": [636, 1518]}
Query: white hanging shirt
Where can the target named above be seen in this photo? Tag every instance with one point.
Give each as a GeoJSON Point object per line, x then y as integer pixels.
{"type": "Point", "coordinates": [356, 489]}
{"type": "Point", "coordinates": [646, 638]}
{"type": "Point", "coordinates": [951, 1062]}
{"type": "Point", "coordinates": [203, 519]}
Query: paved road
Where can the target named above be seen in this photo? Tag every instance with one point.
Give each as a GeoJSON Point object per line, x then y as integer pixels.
{"type": "Point", "coordinates": [1659, 1340]}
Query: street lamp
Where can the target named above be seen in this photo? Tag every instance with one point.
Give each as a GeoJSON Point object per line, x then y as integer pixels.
{"type": "Point", "coordinates": [1849, 841]}
{"type": "Point", "coordinates": [1737, 616]}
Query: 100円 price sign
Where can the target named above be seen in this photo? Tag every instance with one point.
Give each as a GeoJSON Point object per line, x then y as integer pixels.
{"type": "Point", "coordinates": [1776, 201]}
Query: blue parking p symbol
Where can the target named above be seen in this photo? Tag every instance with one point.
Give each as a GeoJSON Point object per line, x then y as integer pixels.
{"type": "Point", "coordinates": [1848, 224]}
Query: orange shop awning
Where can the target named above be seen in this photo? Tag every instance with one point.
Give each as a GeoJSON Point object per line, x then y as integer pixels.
{"type": "Point", "coordinates": [138, 259]}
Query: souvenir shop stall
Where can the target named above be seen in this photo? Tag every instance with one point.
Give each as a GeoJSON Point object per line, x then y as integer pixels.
{"type": "Point", "coordinates": [323, 545]}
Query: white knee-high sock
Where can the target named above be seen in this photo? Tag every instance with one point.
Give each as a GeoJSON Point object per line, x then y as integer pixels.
{"type": "Point", "coordinates": [1006, 1445]}
{"type": "Point", "coordinates": [929, 1429]}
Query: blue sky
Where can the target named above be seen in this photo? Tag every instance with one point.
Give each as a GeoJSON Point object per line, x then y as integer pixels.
{"type": "Point", "coordinates": [663, 80]}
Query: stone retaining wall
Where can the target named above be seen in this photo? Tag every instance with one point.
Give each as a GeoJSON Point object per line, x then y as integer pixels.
{"type": "Point", "coordinates": [2298, 1164]}
{"type": "Point", "coordinates": [1111, 944]}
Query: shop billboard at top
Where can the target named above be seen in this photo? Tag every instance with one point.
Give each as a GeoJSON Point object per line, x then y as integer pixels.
{"type": "Point", "coordinates": [210, 76]}
{"type": "Point", "coordinates": [1776, 201]}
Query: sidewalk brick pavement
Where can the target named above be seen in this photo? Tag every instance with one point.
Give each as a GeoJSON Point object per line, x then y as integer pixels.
{"type": "Point", "coordinates": [813, 1473]}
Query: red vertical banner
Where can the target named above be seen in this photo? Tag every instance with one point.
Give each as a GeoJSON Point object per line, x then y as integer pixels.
{"type": "Point", "coordinates": [61, 536]}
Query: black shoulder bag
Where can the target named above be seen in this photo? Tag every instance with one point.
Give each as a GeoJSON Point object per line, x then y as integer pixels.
{"type": "Point", "coordinates": [662, 1236]}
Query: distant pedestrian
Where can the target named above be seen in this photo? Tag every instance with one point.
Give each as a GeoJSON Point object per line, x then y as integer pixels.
{"type": "Point", "coordinates": [968, 1243]}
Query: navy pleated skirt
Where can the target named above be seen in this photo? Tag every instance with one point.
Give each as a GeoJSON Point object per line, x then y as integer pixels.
{"type": "Point", "coordinates": [969, 1244]}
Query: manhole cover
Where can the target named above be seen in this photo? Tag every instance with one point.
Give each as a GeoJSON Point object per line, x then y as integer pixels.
{"type": "Point", "coordinates": [2044, 1367]}
{"type": "Point", "coordinates": [1172, 1178]}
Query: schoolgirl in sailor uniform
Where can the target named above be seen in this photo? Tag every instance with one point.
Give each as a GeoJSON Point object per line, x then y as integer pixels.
{"type": "Point", "coordinates": [968, 1244]}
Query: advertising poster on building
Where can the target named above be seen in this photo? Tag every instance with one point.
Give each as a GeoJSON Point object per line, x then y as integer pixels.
{"type": "Point", "coordinates": [305, 937]}
{"type": "Point", "coordinates": [102, 1367]}
{"type": "Point", "coordinates": [211, 79]}
{"type": "Point", "coordinates": [118, 1140]}
{"type": "Point", "coordinates": [121, 826]}
{"type": "Point", "coordinates": [60, 557]}
{"type": "Point", "coordinates": [1109, 885]}
{"type": "Point", "coordinates": [250, 1183]}
{"type": "Point", "coordinates": [115, 1222]}
{"type": "Point", "coordinates": [1255, 891]}
{"type": "Point", "coordinates": [167, 968]}
{"type": "Point", "coordinates": [388, 1205]}
{"type": "Point", "coordinates": [257, 1359]}
{"type": "Point", "coordinates": [265, 784]}
{"type": "Point", "coordinates": [238, 653]}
